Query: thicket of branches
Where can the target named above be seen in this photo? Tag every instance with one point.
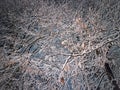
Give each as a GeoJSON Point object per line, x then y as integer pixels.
{"type": "Point", "coordinates": [57, 44]}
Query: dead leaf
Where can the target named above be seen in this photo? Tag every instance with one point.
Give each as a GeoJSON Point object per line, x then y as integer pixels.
{"type": "Point", "coordinates": [62, 80]}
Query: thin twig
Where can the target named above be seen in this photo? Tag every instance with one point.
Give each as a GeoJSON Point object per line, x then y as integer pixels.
{"type": "Point", "coordinates": [66, 62]}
